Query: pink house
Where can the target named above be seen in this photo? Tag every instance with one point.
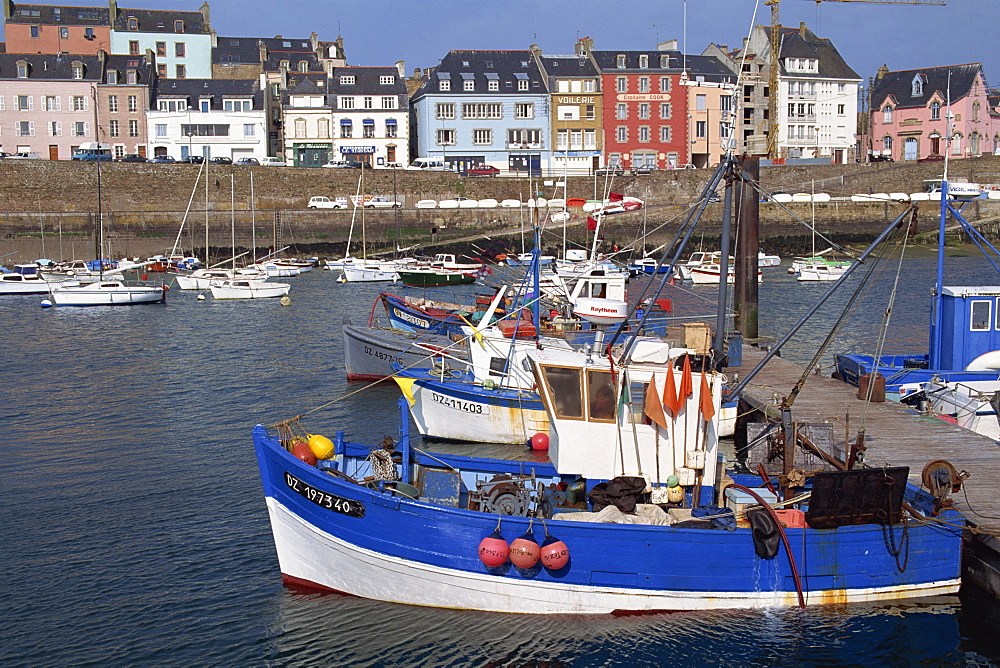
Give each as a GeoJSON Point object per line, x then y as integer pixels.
{"type": "Point", "coordinates": [909, 113]}
{"type": "Point", "coordinates": [47, 102]}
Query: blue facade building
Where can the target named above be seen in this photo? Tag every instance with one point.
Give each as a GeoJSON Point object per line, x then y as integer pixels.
{"type": "Point", "coordinates": [485, 107]}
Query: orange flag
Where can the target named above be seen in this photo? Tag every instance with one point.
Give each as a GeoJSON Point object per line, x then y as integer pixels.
{"type": "Point", "coordinates": [670, 393]}
{"type": "Point", "coordinates": [687, 380]}
{"type": "Point", "coordinates": [705, 402]}
{"type": "Point", "coordinates": [653, 407]}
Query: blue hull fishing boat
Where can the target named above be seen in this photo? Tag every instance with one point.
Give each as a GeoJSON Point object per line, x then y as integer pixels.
{"type": "Point", "coordinates": [964, 341]}
{"type": "Point", "coordinates": [629, 511]}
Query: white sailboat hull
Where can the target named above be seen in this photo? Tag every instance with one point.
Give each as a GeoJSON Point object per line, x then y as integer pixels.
{"type": "Point", "coordinates": [113, 293]}
{"type": "Point", "coordinates": [249, 290]}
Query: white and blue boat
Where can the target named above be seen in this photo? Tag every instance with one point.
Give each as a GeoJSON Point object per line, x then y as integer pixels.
{"type": "Point", "coordinates": [964, 341]}
{"type": "Point", "coordinates": [586, 531]}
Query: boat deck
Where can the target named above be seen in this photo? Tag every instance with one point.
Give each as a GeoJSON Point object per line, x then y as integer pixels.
{"type": "Point", "coordinates": [898, 435]}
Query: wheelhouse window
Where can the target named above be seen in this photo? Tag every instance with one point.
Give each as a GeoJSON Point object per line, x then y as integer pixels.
{"type": "Point", "coordinates": [980, 316]}
{"type": "Point", "coordinates": [600, 396]}
{"type": "Point", "coordinates": [565, 391]}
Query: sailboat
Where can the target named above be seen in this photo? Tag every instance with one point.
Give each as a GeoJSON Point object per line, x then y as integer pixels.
{"type": "Point", "coordinates": [244, 287]}
{"type": "Point", "coordinates": [108, 290]}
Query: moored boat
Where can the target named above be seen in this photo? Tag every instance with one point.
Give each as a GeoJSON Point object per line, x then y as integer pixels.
{"type": "Point", "coordinates": [245, 288]}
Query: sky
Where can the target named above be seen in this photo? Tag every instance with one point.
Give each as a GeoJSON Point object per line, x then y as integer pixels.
{"type": "Point", "coordinates": [421, 32]}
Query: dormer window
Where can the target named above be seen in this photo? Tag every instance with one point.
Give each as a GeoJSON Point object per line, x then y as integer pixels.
{"type": "Point", "coordinates": [347, 80]}
{"type": "Point", "coordinates": [664, 61]}
{"type": "Point", "coordinates": [131, 77]}
{"type": "Point", "coordinates": [620, 61]}
{"type": "Point", "coordinates": [887, 114]}
{"type": "Point", "coordinates": [387, 80]}
{"type": "Point", "coordinates": [643, 61]}
{"type": "Point", "coordinates": [286, 45]}
{"type": "Point", "coordinates": [112, 77]}
{"type": "Point", "coordinates": [917, 86]}
{"type": "Point", "coordinates": [303, 66]}
{"type": "Point", "coordinates": [133, 24]}
{"type": "Point", "coordinates": [178, 26]}
{"type": "Point", "coordinates": [283, 64]}
{"type": "Point", "coordinates": [77, 70]}
{"type": "Point", "coordinates": [22, 69]}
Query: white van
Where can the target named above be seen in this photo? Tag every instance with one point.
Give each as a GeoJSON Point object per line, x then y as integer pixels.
{"type": "Point", "coordinates": [429, 164]}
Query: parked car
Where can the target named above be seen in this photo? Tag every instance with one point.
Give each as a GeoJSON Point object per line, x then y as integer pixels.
{"type": "Point", "coordinates": [271, 161]}
{"type": "Point", "coordinates": [482, 170]}
{"type": "Point", "coordinates": [248, 161]}
{"type": "Point", "coordinates": [221, 160]}
{"type": "Point", "coordinates": [614, 170]}
{"type": "Point", "coordinates": [644, 170]}
{"type": "Point", "coordinates": [343, 164]}
{"type": "Point", "coordinates": [880, 157]}
{"type": "Point", "coordinates": [322, 202]}
{"type": "Point", "coordinates": [24, 156]}
{"type": "Point", "coordinates": [192, 159]}
{"type": "Point", "coordinates": [379, 202]}
{"type": "Point", "coordinates": [131, 157]}
{"type": "Point", "coordinates": [931, 158]}
{"type": "Point", "coordinates": [163, 160]}
{"type": "Point", "coordinates": [713, 197]}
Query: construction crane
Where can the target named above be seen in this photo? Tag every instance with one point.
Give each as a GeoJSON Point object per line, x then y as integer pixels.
{"type": "Point", "coordinates": [772, 98]}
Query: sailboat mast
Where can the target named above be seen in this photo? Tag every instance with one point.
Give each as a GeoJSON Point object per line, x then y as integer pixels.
{"type": "Point", "coordinates": [99, 229]}
{"type": "Point", "coordinates": [253, 220]}
{"type": "Point", "coordinates": [934, 347]}
{"type": "Point", "coordinates": [232, 215]}
{"type": "Point", "coordinates": [208, 258]}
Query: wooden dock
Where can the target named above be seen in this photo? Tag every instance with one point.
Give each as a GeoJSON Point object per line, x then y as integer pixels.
{"type": "Point", "coordinates": [898, 435]}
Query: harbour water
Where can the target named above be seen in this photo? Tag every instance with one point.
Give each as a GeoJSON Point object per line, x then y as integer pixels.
{"type": "Point", "coordinates": [135, 532]}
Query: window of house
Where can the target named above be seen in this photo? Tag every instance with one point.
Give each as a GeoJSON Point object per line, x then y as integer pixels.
{"type": "Point", "coordinates": [444, 85]}
{"type": "Point", "coordinates": [562, 137]}
{"type": "Point", "coordinates": [178, 26]}
{"type": "Point", "coordinates": [368, 129]}
{"type": "Point", "coordinates": [284, 64]}
{"type": "Point", "coordinates": [181, 72]}
{"type": "Point", "coordinates": [133, 24]}
{"type": "Point", "coordinates": [589, 112]}
{"type": "Point", "coordinates": [299, 125]}
{"type": "Point", "coordinates": [322, 128]}
{"type": "Point", "coordinates": [80, 129]}
{"type": "Point", "coordinates": [369, 102]}
{"type": "Point", "coordinates": [620, 61]}
{"type": "Point", "coordinates": [161, 130]}
{"type": "Point", "coordinates": [346, 102]}
{"type": "Point", "coordinates": [482, 110]}
{"type": "Point", "coordinates": [643, 84]}
{"type": "Point", "coordinates": [25, 129]}
{"type": "Point", "coordinates": [133, 128]}
{"type": "Point", "coordinates": [161, 70]}
{"type": "Point", "coordinates": [113, 104]}
{"type": "Point", "coordinates": [621, 84]}
{"type": "Point", "coordinates": [975, 111]}
{"type": "Point", "coordinates": [88, 33]}
{"type": "Point", "coordinates": [701, 129]}
{"type": "Point", "coordinates": [493, 84]}
{"type": "Point", "coordinates": [956, 144]}
{"type": "Point", "coordinates": [664, 110]}
{"type": "Point", "coordinates": [590, 140]}
{"type": "Point", "coordinates": [64, 33]}
{"type": "Point", "coordinates": [77, 71]}
{"type": "Point", "coordinates": [387, 80]}
{"type": "Point", "coordinates": [665, 133]}
{"type": "Point", "coordinates": [113, 129]}
{"type": "Point", "coordinates": [887, 144]}
{"type": "Point", "coordinates": [444, 110]}
{"type": "Point", "coordinates": [701, 102]}
{"type": "Point", "coordinates": [726, 103]}
{"type": "Point", "coordinates": [390, 127]}
{"type": "Point", "coordinates": [520, 136]}
{"type": "Point", "coordinates": [79, 103]}
{"type": "Point", "coordinates": [161, 48]}
{"type": "Point", "coordinates": [133, 103]}
{"type": "Point", "coordinates": [179, 49]}
{"type": "Point", "coordinates": [346, 128]}
{"type": "Point", "coordinates": [887, 114]}
{"type": "Point", "coordinates": [644, 133]}
{"type": "Point", "coordinates": [935, 110]}
{"type": "Point", "coordinates": [664, 61]}
{"type": "Point", "coordinates": [664, 84]}
{"type": "Point", "coordinates": [51, 103]}
{"type": "Point", "coordinates": [621, 134]}
{"type": "Point", "coordinates": [249, 129]}
{"type": "Point", "coordinates": [644, 110]}
{"type": "Point", "coordinates": [55, 129]}
{"type": "Point", "coordinates": [643, 61]}
{"type": "Point", "coordinates": [445, 137]}
{"type": "Point", "coordinates": [469, 84]}
{"type": "Point", "coordinates": [524, 110]}
{"type": "Point", "coordinates": [621, 111]}
{"type": "Point", "coordinates": [589, 86]}
{"type": "Point", "coordinates": [917, 86]}
{"type": "Point", "coordinates": [35, 31]}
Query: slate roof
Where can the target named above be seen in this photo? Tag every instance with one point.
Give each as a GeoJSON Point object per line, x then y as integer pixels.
{"type": "Point", "coordinates": [709, 68]}
{"type": "Point", "coordinates": [50, 67]}
{"type": "Point", "coordinates": [161, 20]}
{"type": "Point", "coordinates": [508, 66]}
{"type": "Point", "coordinates": [935, 79]}
{"type": "Point", "coordinates": [124, 63]}
{"type": "Point", "coordinates": [794, 45]}
{"type": "Point", "coordinates": [60, 15]}
{"type": "Point", "coordinates": [236, 50]}
{"type": "Point", "coordinates": [218, 89]}
{"type": "Point", "coordinates": [607, 61]}
{"type": "Point", "coordinates": [367, 81]}
{"type": "Point", "coordinates": [568, 66]}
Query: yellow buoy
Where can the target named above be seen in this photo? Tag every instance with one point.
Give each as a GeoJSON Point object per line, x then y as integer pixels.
{"type": "Point", "coordinates": [321, 446]}
{"type": "Point", "coordinates": [285, 301]}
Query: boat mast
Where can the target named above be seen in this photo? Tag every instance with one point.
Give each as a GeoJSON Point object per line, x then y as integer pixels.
{"type": "Point", "coordinates": [253, 220]}
{"type": "Point", "coordinates": [934, 346]}
{"type": "Point", "coordinates": [232, 216]}
{"type": "Point", "coordinates": [99, 227]}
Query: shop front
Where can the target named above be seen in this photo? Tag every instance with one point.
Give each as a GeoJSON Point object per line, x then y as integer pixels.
{"type": "Point", "coordinates": [365, 154]}
{"type": "Point", "coordinates": [311, 155]}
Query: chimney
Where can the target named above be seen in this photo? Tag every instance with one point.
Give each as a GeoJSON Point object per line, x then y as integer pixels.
{"type": "Point", "coordinates": [205, 14]}
{"type": "Point", "coordinates": [584, 45]}
{"type": "Point", "coordinates": [535, 50]}
{"type": "Point", "coordinates": [882, 71]}
{"type": "Point", "coordinates": [669, 45]}
{"type": "Point", "coordinates": [802, 29]}
{"type": "Point", "coordinates": [401, 68]}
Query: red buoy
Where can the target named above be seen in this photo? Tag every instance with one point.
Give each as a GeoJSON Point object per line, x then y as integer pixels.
{"type": "Point", "coordinates": [303, 452]}
{"type": "Point", "coordinates": [540, 442]}
{"type": "Point", "coordinates": [493, 550]}
{"type": "Point", "coordinates": [524, 551]}
{"type": "Point", "coordinates": [554, 553]}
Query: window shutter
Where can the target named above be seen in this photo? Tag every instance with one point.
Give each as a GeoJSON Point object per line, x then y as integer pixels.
{"type": "Point", "coordinates": [58, 128]}
{"type": "Point", "coordinates": [31, 104]}
{"type": "Point", "coordinates": [31, 128]}
{"type": "Point", "coordinates": [86, 129]}
{"type": "Point", "coordinates": [58, 103]}
{"type": "Point", "coordinates": [86, 103]}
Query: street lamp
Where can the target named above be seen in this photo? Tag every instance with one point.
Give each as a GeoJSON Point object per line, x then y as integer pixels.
{"type": "Point", "coordinates": [816, 154]}
{"type": "Point", "coordinates": [190, 135]}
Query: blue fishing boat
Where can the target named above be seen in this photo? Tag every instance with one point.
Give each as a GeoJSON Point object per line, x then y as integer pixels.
{"type": "Point", "coordinates": [964, 332]}
{"type": "Point", "coordinates": [580, 533]}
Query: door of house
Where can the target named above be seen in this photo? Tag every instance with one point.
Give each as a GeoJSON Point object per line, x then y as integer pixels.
{"type": "Point", "coordinates": [53, 152]}
{"type": "Point", "coordinates": [910, 148]}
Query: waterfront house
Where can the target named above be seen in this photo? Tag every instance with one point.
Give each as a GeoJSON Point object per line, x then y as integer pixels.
{"type": "Point", "coordinates": [181, 41]}
{"type": "Point", "coordinates": [306, 119]}
{"type": "Point", "coordinates": [56, 29]}
{"type": "Point", "coordinates": [123, 96]}
{"type": "Point", "coordinates": [370, 115]}
{"type": "Point", "coordinates": [484, 107]}
{"type": "Point", "coordinates": [909, 113]}
{"type": "Point", "coordinates": [576, 134]}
